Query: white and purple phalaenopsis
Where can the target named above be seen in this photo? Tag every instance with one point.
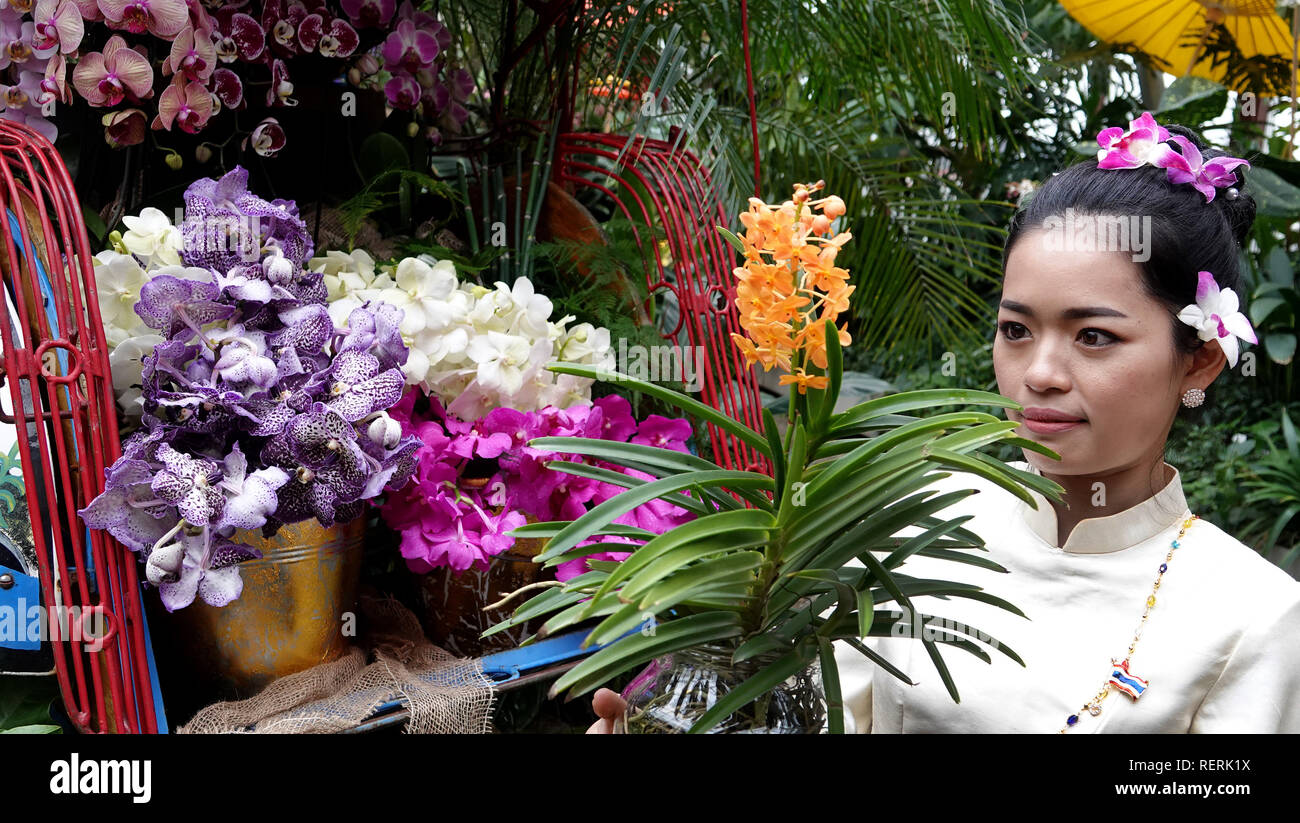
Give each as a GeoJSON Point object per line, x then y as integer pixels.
{"type": "Point", "coordinates": [257, 409]}
{"type": "Point", "coordinates": [1215, 316]}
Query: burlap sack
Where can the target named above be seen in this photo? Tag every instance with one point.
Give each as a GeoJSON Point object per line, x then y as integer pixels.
{"type": "Point", "coordinates": [445, 694]}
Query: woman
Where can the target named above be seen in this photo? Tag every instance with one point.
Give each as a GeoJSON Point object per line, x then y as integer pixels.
{"type": "Point", "coordinates": [1138, 617]}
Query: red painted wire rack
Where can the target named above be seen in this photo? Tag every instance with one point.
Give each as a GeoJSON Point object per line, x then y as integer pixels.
{"type": "Point", "coordinates": [60, 389]}
{"type": "Point", "coordinates": [656, 184]}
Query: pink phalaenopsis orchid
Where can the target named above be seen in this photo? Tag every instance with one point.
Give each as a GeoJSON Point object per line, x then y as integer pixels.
{"type": "Point", "coordinates": [187, 105]}
{"type": "Point", "coordinates": [409, 48]}
{"type": "Point", "coordinates": [1215, 316]}
{"type": "Point", "coordinates": [1205, 175]}
{"type": "Point", "coordinates": [161, 18]}
{"type": "Point", "coordinates": [402, 91]}
{"type": "Point", "coordinates": [106, 78]}
{"type": "Point", "coordinates": [1142, 144]}
{"type": "Point", "coordinates": [55, 83]}
{"type": "Point", "coordinates": [58, 24]}
{"type": "Point", "coordinates": [193, 55]}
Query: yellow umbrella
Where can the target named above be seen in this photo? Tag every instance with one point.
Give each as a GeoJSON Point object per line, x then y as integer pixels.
{"type": "Point", "coordinates": [1174, 32]}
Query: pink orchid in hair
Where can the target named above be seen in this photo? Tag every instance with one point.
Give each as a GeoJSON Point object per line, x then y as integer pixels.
{"type": "Point", "coordinates": [106, 78]}
{"type": "Point", "coordinates": [1142, 144]}
{"type": "Point", "coordinates": [161, 18]}
{"type": "Point", "coordinates": [1205, 176]}
{"type": "Point", "coordinates": [58, 24]}
{"type": "Point", "coordinates": [1215, 316]}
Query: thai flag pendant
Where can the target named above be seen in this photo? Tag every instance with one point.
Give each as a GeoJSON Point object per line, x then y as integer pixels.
{"type": "Point", "coordinates": [1124, 680]}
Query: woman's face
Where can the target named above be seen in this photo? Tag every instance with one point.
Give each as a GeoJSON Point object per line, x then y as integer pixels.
{"type": "Point", "coordinates": [1080, 340]}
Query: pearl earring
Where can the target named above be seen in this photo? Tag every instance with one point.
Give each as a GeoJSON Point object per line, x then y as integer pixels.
{"type": "Point", "coordinates": [1193, 398]}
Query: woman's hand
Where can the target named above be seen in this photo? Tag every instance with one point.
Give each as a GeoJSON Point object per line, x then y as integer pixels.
{"type": "Point", "coordinates": [608, 707]}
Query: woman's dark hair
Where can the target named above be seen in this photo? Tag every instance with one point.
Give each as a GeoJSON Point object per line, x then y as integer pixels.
{"type": "Point", "coordinates": [1187, 235]}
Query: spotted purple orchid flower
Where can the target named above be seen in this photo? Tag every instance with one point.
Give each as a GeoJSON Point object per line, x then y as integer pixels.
{"type": "Point", "coordinates": [257, 411]}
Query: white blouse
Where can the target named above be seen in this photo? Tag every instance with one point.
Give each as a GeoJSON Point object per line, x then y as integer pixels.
{"type": "Point", "coordinates": [1220, 650]}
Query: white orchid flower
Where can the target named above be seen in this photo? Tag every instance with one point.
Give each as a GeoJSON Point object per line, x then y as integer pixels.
{"type": "Point", "coordinates": [502, 360]}
{"type": "Point", "coordinates": [118, 280]}
{"type": "Point", "coordinates": [1214, 315]}
{"type": "Point", "coordinates": [126, 361]}
{"type": "Point", "coordinates": [153, 237]}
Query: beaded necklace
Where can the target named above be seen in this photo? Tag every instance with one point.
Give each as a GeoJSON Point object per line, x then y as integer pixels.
{"type": "Point", "coordinates": [1121, 679]}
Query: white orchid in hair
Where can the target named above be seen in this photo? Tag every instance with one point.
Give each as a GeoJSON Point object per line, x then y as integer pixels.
{"type": "Point", "coordinates": [1215, 316]}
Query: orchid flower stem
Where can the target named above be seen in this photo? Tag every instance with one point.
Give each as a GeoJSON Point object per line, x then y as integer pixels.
{"type": "Point", "coordinates": [191, 324]}
{"type": "Point", "coordinates": [544, 584]}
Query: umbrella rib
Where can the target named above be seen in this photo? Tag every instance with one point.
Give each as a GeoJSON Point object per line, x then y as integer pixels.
{"type": "Point", "coordinates": [1190, 9]}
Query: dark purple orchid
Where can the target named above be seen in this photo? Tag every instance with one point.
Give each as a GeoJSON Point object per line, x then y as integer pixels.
{"type": "Point", "coordinates": [237, 36]}
{"type": "Point", "coordinates": [369, 14]}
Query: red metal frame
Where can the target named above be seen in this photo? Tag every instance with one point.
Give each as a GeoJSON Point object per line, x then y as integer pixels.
{"type": "Point", "coordinates": [685, 204]}
{"type": "Point", "coordinates": [106, 690]}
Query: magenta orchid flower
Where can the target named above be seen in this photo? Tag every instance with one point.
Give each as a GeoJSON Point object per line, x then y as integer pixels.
{"type": "Point", "coordinates": [161, 18]}
{"type": "Point", "coordinates": [106, 78]}
{"type": "Point", "coordinates": [1142, 144]}
{"type": "Point", "coordinates": [664, 433]}
{"type": "Point", "coordinates": [58, 24]}
{"type": "Point", "coordinates": [1205, 176]}
{"type": "Point", "coordinates": [421, 19]}
{"type": "Point", "coordinates": [187, 105]}
{"type": "Point", "coordinates": [193, 54]}
{"type": "Point", "coordinates": [409, 48]}
{"type": "Point", "coordinates": [402, 91]}
{"type": "Point", "coordinates": [1215, 316]}
{"type": "Point", "coordinates": [369, 14]}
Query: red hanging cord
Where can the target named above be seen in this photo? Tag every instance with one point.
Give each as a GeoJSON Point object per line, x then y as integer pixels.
{"type": "Point", "coordinates": [749, 83]}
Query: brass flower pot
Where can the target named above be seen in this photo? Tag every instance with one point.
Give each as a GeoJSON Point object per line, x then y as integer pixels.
{"type": "Point", "coordinates": [297, 610]}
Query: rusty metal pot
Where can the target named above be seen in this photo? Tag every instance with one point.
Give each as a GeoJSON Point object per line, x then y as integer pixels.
{"type": "Point", "coordinates": [297, 610]}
